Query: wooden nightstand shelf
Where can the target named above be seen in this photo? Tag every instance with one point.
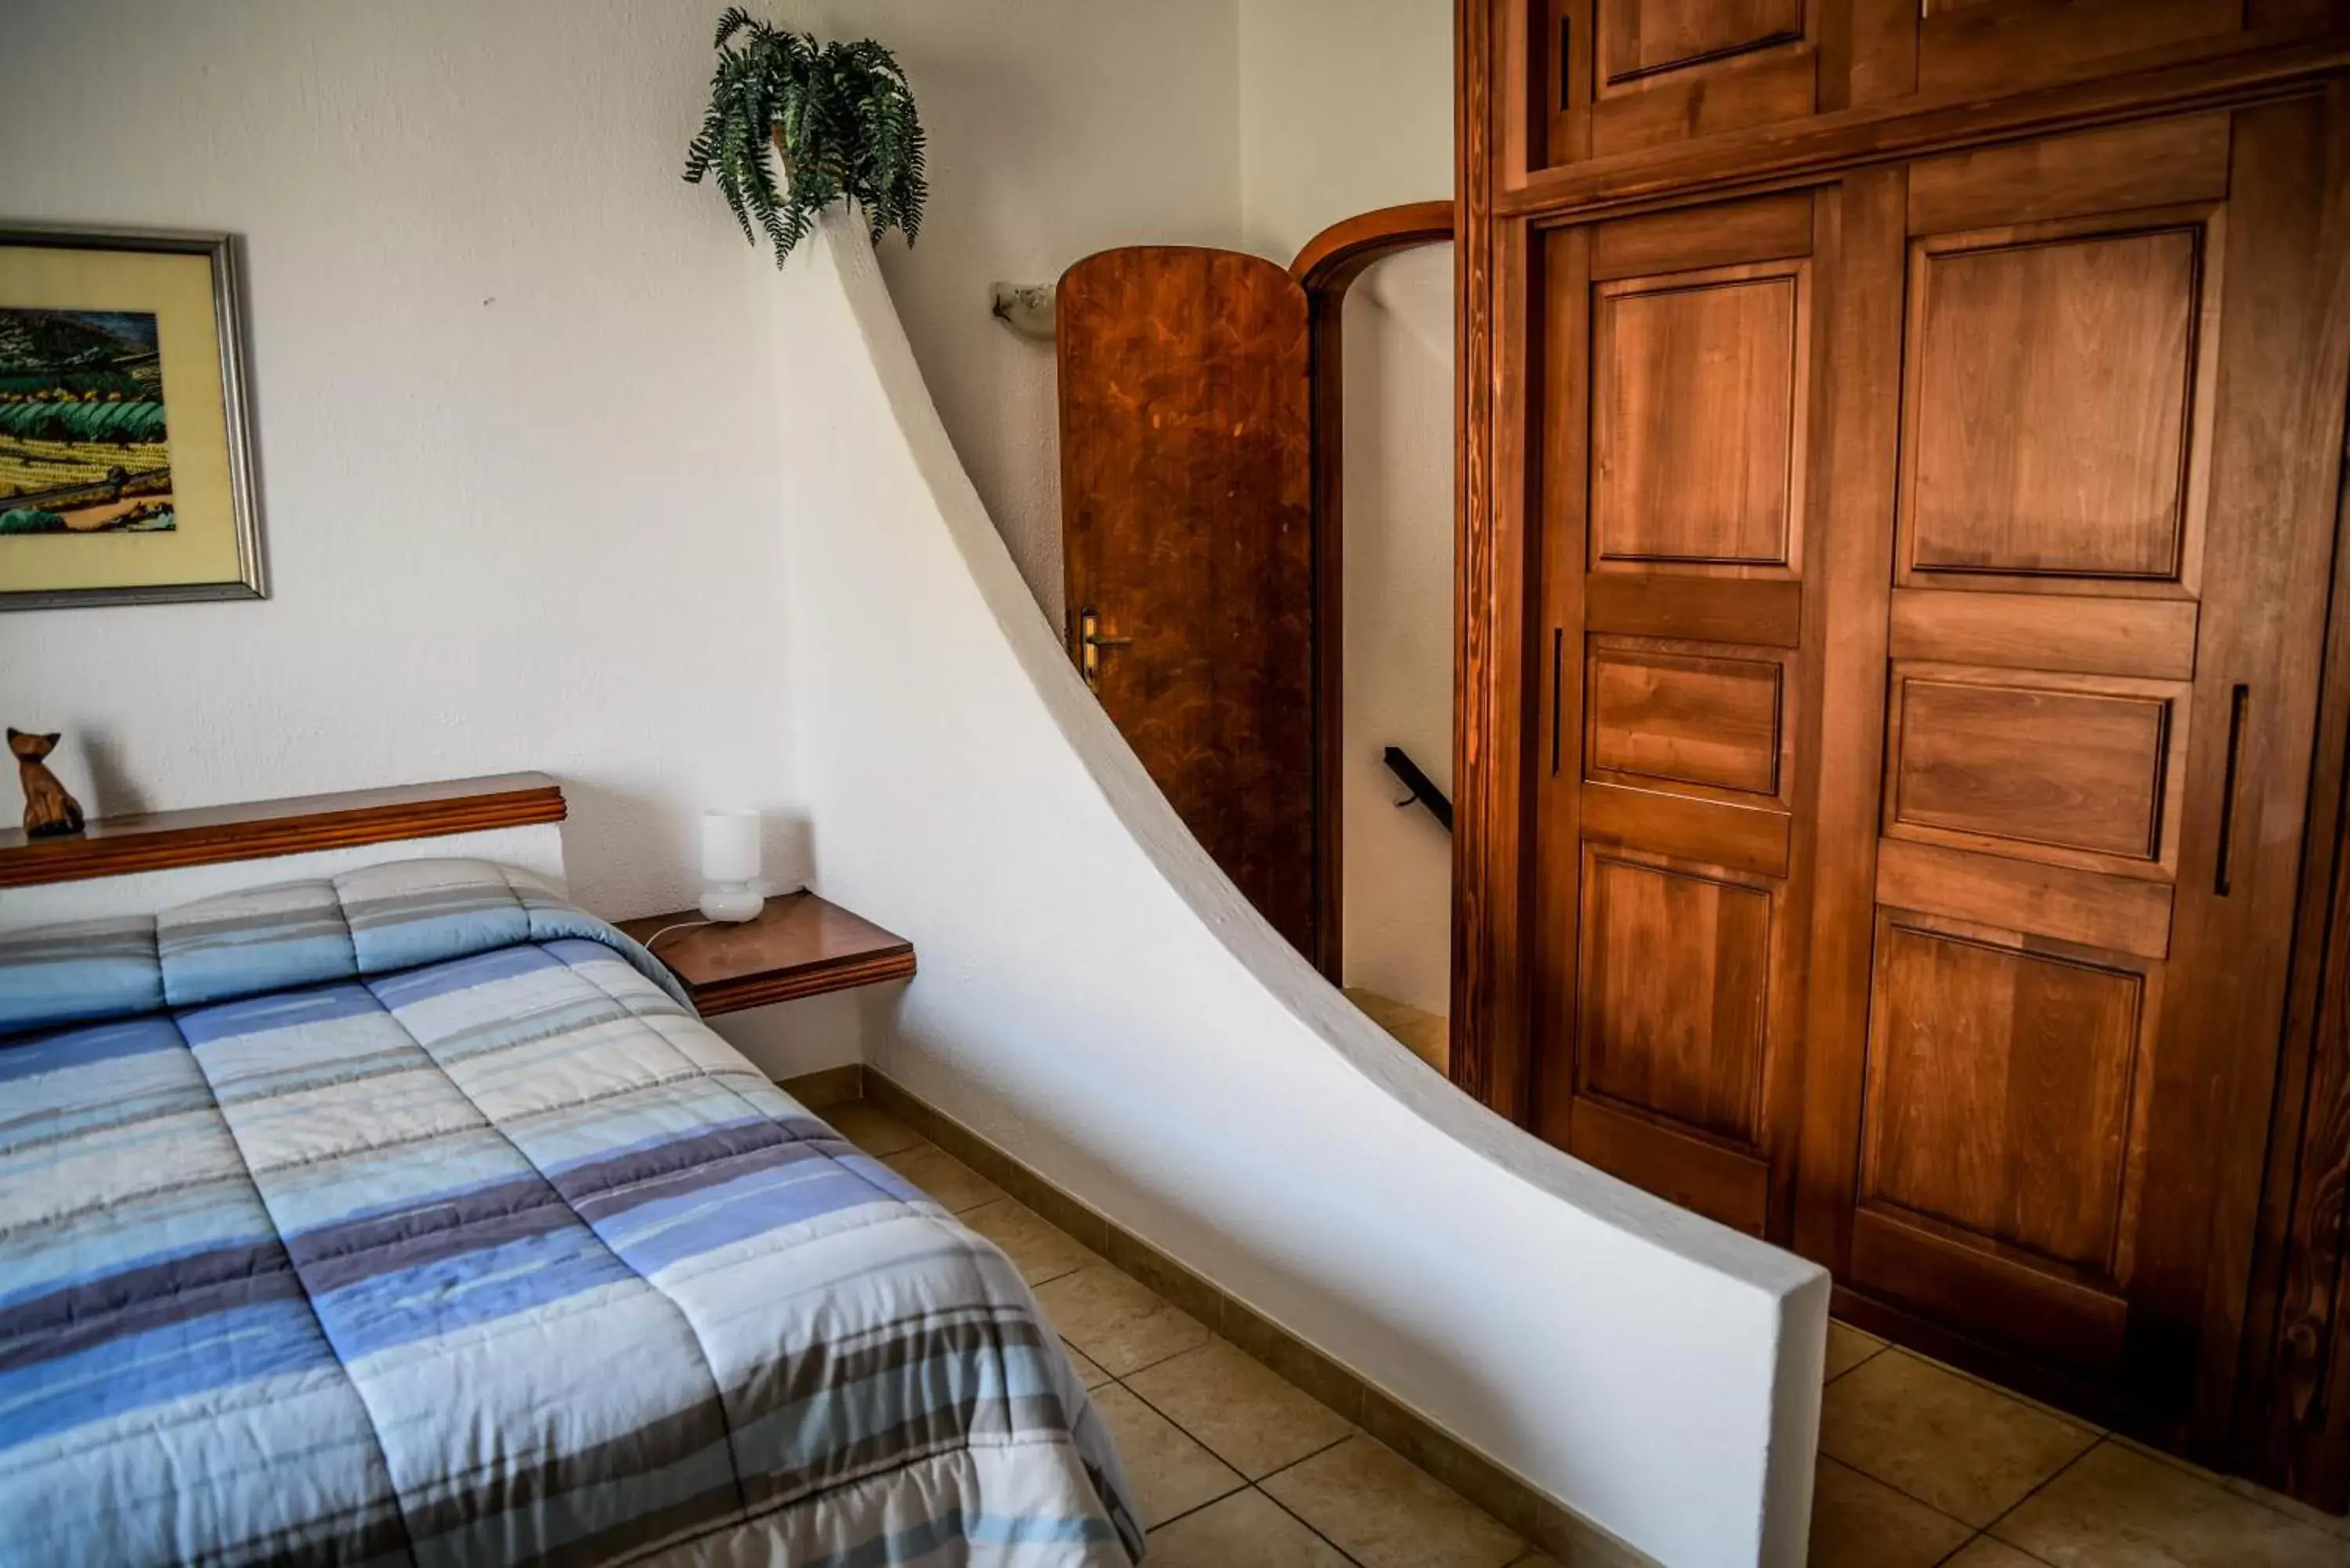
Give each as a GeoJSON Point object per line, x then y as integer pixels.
{"type": "Point", "coordinates": [799, 946]}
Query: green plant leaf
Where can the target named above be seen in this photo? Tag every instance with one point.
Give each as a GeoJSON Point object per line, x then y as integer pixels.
{"type": "Point", "coordinates": [842, 113]}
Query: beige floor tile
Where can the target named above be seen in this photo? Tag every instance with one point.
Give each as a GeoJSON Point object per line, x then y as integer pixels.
{"type": "Point", "coordinates": [1118, 1323]}
{"type": "Point", "coordinates": [1983, 1552]}
{"type": "Point", "coordinates": [1849, 1347]}
{"type": "Point", "coordinates": [2334, 1525]}
{"type": "Point", "coordinates": [1172, 1474]}
{"type": "Point", "coordinates": [1958, 1445]}
{"type": "Point", "coordinates": [1247, 1415]}
{"type": "Point", "coordinates": [1384, 1513]}
{"type": "Point", "coordinates": [1040, 1248]}
{"type": "Point", "coordinates": [2121, 1509]}
{"type": "Point", "coordinates": [1246, 1529]}
{"type": "Point", "coordinates": [1857, 1522]}
{"type": "Point", "coordinates": [950, 1183]}
{"type": "Point", "coordinates": [1088, 1372]}
{"type": "Point", "coordinates": [871, 1130]}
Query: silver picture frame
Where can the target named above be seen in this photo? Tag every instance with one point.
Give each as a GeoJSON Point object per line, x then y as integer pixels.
{"type": "Point", "coordinates": [251, 581]}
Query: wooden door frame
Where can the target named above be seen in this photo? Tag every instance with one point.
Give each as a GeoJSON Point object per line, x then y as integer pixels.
{"type": "Point", "coordinates": [1871, 118]}
{"type": "Point", "coordinates": [1326, 269]}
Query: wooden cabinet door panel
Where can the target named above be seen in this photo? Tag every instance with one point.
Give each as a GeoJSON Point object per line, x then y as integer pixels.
{"type": "Point", "coordinates": [1696, 439]}
{"type": "Point", "coordinates": [2050, 410]}
{"type": "Point", "coordinates": [1634, 74]}
{"type": "Point", "coordinates": [1687, 716]}
{"type": "Point", "coordinates": [1676, 456]}
{"type": "Point", "coordinates": [2005, 45]}
{"type": "Point", "coordinates": [2002, 1089]}
{"type": "Point", "coordinates": [2102, 608]}
{"type": "Point", "coordinates": [1606, 78]}
{"type": "Point", "coordinates": [2072, 769]}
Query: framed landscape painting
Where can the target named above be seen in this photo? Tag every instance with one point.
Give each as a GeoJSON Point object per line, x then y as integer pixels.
{"type": "Point", "coordinates": [126, 472]}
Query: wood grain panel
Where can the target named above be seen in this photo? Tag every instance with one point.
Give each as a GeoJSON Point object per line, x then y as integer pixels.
{"type": "Point", "coordinates": [1729, 93]}
{"type": "Point", "coordinates": [2049, 408]}
{"type": "Point", "coordinates": [2152, 637]}
{"type": "Point", "coordinates": [1769, 228]}
{"type": "Point", "coordinates": [1765, 611]}
{"type": "Point", "coordinates": [2002, 46]}
{"type": "Point", "coordinates": [1725, 1185]}
{"type": "Point", "coordinates": [2001, 1086]}
{"type": "Point", "coordinates": [1638, 37]}
{"type": "Point", "coordinates": [2164, 163]}
{"type": "Point", "coordinates": [2030, 762]}
{"type": "Point", "coordinates": [1186, 506]}
{"type": "Point", "coordinates": [1841, 705]}
{"type": "Point", "coordinates": [797, 945]}
{"type": "Point", "coordinates": [2283, 353]}
{"type": "Point", "coordinates": [259, 830]}
{"type": "Point", "coordinates": [1897, 125]}
{"type": "Point", "coordinates": [1672, 713]}
{"type": "Point", "coordinates": [1694, 419]}
{"type": "Point", "coordinates": [1738, 836]}
{"type": "Point", "coordinates": [2073, 1324]}
{"type": "Point", "coordinates": [2118, 913]}
{"type": "Point", "coordinates": [1557, 514]}
{"type": "Point", "coordinates": [1674, 987]}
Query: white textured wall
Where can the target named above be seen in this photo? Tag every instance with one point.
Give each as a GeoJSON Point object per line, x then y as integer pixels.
{"type": "Point", "coordinates": [1346, 105]}
{"type": "Point", "coordinates": [515, 400]}
{"type": "Point", "coordinates": [1098, 996]}
{"type": "Point", "coordinates": [1397, 884]}
{"type": "Point", "coordinates": [515, 405]}
{"type": "Point", "coordinates": [1058, 128]}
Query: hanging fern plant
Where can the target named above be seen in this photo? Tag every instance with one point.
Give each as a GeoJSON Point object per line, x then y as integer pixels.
{"type": "Point", "coordinates": [842, 115]}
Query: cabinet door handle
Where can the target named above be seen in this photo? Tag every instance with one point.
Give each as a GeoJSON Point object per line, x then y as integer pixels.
{"type": "Point", "coordinates": [1557, 669]}
{"type": "Point", "coordinates": [2238, 700]}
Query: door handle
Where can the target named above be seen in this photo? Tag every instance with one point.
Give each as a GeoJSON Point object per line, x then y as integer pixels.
{"type": "Point", "coordinates": [1090, 642]}
{"type": "Point", "coordinates": [2238, 700]}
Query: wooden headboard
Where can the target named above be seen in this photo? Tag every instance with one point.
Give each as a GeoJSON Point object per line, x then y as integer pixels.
{"type": "Point", "coordinates": [121, 864]}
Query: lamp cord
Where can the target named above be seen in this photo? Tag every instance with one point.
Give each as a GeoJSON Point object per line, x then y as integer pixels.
{"type": "Point", "coordinates": [681, 926]}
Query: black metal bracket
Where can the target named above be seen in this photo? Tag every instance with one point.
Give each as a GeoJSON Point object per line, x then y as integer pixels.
{"type": "Point", "coordinates": [1423, 788]}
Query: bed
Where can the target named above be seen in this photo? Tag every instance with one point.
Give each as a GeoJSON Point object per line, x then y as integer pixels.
{"type": "Point", "coordinates": [410, 1215]}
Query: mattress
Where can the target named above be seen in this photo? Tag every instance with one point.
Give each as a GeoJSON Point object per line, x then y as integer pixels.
{"type": "Point", "coordinates": [412, 1217]}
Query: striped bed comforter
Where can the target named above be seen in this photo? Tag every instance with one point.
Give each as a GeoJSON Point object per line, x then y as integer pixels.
{"type": "Point", "coordinates": [414, 1218]}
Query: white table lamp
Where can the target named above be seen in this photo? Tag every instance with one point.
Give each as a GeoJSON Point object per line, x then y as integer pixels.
{"type": "Point", "coordinates": [730, 863]}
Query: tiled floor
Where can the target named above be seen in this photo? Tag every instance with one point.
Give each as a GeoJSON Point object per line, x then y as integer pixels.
{"type": "Point", "coordinates": [1233, 1468]}
{"type": "Point", "coordinates": [1919, 1465]}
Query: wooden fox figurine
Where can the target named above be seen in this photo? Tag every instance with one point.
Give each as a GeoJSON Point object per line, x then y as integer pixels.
{"type": "Point", "coordinates": [49, 810]}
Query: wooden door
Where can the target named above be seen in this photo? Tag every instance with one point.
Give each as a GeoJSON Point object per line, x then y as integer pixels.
{"type": "Point", "coordinates": [2067, 734]}
{"type": "Point", "coordinates": [1186, 489]}
{"type": "Point", "coordinates": [1680, 393]}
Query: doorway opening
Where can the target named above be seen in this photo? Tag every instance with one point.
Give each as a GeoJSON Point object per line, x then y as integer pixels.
{"type": "Point", "coordinates": [1257, 520]}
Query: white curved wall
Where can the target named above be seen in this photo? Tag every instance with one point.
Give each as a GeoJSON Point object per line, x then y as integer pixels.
{"type": "Point", "coordinates": [1094, 995]}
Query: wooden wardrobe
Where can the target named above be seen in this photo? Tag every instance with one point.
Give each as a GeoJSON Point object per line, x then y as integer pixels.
{"type": "Point", "coordinates": [1901, 754]}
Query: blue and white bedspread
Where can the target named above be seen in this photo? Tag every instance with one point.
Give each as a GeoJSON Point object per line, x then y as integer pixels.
{"type": "Point", "coordinates": [414, 1217]}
